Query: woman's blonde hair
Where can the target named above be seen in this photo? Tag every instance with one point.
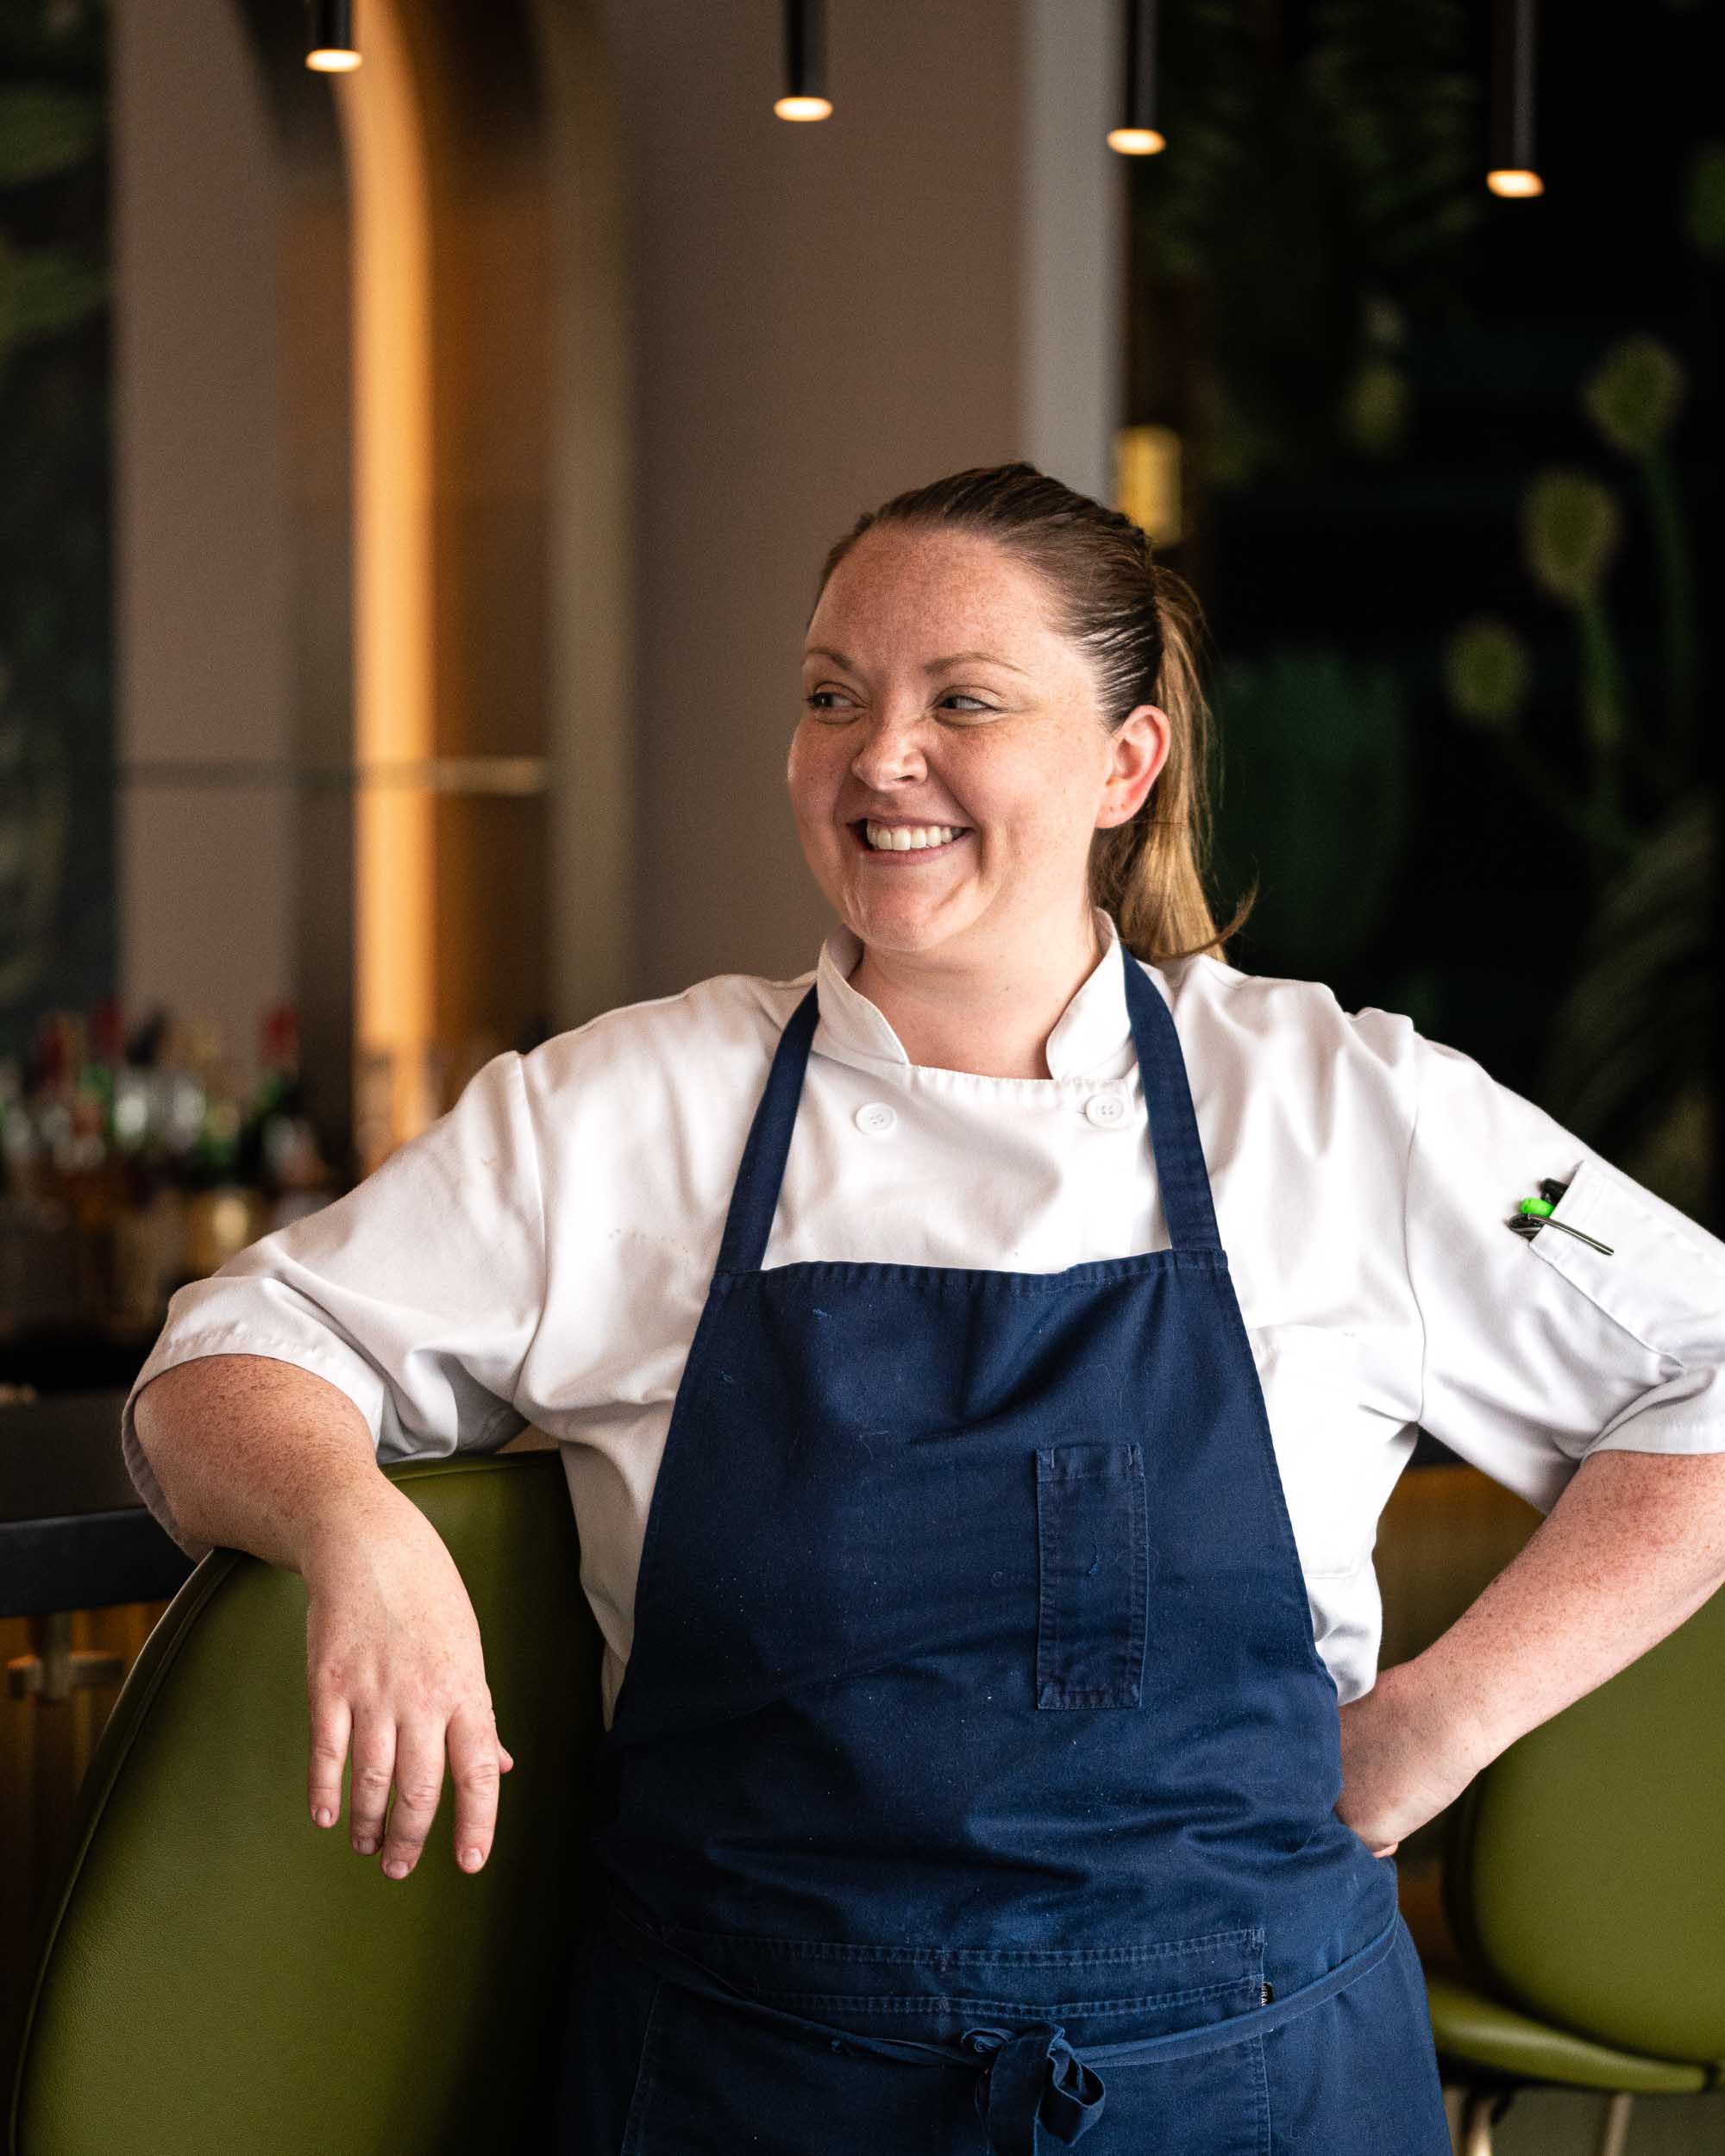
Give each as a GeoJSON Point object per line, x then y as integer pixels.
{"type": "Point", "coordinates": [1140, 625]}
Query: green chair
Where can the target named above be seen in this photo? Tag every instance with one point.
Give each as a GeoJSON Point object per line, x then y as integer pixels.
{"type": "Point", "coordinates": [215, 1973]}
{"type": "Point", "coordinates": [1584, 1885]}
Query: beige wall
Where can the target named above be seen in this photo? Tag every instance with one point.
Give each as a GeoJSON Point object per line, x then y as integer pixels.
{"type": "Point", "coordinates": [825, 314]}
{"type": "Point", "coordinates": [204, 638]}
{"type": "Point", "coordinates": [755, 332]}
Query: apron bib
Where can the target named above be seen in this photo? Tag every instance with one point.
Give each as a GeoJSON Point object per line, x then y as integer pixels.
{"type": "Point", "coordinates": [971, 1782]}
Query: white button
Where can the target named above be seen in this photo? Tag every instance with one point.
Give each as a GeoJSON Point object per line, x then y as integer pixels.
{"type": "Point", "coordinates": [877, 1117]}
{"type": "Point", "coordinates": [1105, 1106]}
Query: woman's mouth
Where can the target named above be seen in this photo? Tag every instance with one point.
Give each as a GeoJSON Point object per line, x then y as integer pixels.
{"type": "Point", "coordinates": [898, 845]}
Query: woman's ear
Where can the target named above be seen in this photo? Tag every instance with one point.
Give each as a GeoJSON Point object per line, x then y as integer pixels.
{"type": "Point", "coordinates": [1141, 742]}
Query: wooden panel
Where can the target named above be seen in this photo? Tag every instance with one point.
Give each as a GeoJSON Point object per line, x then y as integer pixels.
{"type": "Point", "coordinates": [46, 1745]}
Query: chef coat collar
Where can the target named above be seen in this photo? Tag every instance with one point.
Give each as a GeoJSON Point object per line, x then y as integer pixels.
{"type": "Point", "coordinates": [1087, 1040]}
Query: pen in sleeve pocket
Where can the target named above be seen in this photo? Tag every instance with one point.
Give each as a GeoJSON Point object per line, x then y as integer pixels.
{"type": "Point", "coordinates": [1535, 1213]}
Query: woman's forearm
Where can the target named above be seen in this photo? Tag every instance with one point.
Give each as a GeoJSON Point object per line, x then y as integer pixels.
{"type": "Point", "coordinates": [255, 1454]}
{"type": "Point", "coordinates": [1635, 1545]}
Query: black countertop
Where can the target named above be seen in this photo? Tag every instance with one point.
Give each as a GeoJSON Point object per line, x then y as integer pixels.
{"type": "Point", "coordinates": [74, 1534]}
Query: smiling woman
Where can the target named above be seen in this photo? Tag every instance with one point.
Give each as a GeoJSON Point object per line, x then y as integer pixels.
{"type": "Point", "coordinates": [974, 1794]}
{"type": "Point", "coordinates": [973, 773]}
{"type": "Point", "coordinates": [981, 1362]}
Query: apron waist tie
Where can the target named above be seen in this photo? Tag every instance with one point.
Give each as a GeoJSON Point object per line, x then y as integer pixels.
{"type": "Point", "coordinates": [1034, 2088]}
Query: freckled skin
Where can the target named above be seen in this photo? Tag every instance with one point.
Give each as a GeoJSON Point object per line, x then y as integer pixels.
{"type": "Point", "coordinates": [971, 956]}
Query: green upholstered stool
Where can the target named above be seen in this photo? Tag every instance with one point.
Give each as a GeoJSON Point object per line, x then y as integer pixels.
{"type": "Point", "coordinates": [1584, 1884]}
{"type": "Point", "coordinates": [216, 1974]}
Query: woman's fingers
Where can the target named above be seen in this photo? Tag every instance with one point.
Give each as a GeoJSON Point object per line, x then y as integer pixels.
{"type": "Point", "coordinates": [374, 1745]}
{"type": "Point", "coordinates": [408, 1757]}
{"type": "Point", "coordinates": [475, 1748]}
{"type": "Point", "coordinates": [418, 1784]}
{"type": "Point", "coordinates": [332, 1723]}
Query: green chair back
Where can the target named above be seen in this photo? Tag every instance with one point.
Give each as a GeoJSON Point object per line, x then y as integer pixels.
{"type": "Point", "coordinates": [1584, 1872]}
{"type": "Point", "coordinates": [217, 1973]}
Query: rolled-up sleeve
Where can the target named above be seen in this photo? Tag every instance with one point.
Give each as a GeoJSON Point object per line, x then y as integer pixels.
{"type": "Point", "coordinates": [417, 1293]}
{"type": "Point", "coordinates": [1539, 1350]}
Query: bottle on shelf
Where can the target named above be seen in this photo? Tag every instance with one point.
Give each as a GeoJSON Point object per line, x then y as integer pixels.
{"type": "Point", "coordinates": [130, 1165]}
{"type": "Point", "coordinates": [150, 1235]}
{"type": "Point", "coordinates": [278, 1149]}
{"type": "Point", "coordinates": [222, 1213]}
{"type": "Point", "coordinates": [40, 1267]}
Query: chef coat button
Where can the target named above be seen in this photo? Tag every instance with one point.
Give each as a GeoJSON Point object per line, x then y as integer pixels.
{"type": "Point", "coordinates": [1105, 1106]}
{"type": "Point", "coordinates": [877, 1117]}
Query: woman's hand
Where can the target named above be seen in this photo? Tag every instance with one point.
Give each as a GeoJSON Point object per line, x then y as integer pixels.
{"type": "Point", "coordinates": [395, 1668]}
{"type": "Point", "coordinates": [1402, 1759]}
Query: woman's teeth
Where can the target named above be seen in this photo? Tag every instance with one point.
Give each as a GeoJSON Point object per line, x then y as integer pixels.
{"type": "Point", "coordinates": [905, 839]}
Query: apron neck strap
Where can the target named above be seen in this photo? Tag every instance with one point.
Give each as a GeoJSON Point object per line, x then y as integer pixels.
{"type": "Point", "coordinates": [1181, 1177]}
{"type": "Point", "coordinates": [1182, 1180]}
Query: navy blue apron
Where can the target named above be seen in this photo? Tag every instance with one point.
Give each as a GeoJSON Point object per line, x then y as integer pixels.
{"type": "Point", "coordinates": [971, 1783]}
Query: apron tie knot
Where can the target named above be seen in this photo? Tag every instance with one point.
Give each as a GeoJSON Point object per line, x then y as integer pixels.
{"type": "Point", "coordinates": [1033, 2083]}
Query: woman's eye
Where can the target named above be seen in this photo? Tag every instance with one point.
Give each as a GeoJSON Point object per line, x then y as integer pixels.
{"type": "Point", "coordinates": [817, 699]}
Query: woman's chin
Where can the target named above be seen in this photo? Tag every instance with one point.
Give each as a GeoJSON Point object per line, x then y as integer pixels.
{"type": "Point", "coordinates": [904, 922]}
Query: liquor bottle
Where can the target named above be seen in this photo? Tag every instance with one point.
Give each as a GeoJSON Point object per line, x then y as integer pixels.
{"type": "Point", "coordinates": [51, 1281]}
{"type": "Point", "coordinates": [222, 1215]}
{"type": "Point", "coordinates": [280, 1150]}
{"type": "Point", "coordinates": [150, 1235]}
{"type": "Point", "coordinates": [19, 1155]}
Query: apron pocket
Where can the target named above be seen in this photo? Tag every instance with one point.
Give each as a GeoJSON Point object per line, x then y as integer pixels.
{"type": "Point", "coordinates": [1092, 1558]}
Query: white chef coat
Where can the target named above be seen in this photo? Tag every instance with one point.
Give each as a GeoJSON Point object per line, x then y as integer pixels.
{"type": "Point", "coordinates": [541, 1254]}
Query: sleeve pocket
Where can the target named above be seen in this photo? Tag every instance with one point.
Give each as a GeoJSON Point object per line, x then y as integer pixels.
{"type": "Point", "coordinates": [1093, 1554]}
{"type": "Point", "coordinates": [1663, 1281]}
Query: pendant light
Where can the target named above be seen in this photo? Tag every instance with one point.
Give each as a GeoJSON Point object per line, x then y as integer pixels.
{"type": "Point", "coordinates": [332, 50]}
{"type": "Point", "coordinates": [805, 96]}
{"type": "Point", "coordinates": [1138, 136]}
{"type": "Point", "coordinates": [1512, 172]}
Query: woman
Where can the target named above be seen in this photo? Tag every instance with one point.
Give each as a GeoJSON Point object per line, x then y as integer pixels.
{"type": "Point", "coordinates": [999, 1759]}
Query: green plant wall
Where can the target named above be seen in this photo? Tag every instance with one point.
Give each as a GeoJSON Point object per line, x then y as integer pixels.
{"type": "Point", "coordinates": [58, 928]}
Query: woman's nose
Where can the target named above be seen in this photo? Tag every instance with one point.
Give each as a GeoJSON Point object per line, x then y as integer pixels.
{"type": "Point", "coordinates": [889, 744]}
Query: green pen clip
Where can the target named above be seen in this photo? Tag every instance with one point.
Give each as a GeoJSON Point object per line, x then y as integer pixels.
{"type": "Point", "coordinates": [1536, 1213]}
